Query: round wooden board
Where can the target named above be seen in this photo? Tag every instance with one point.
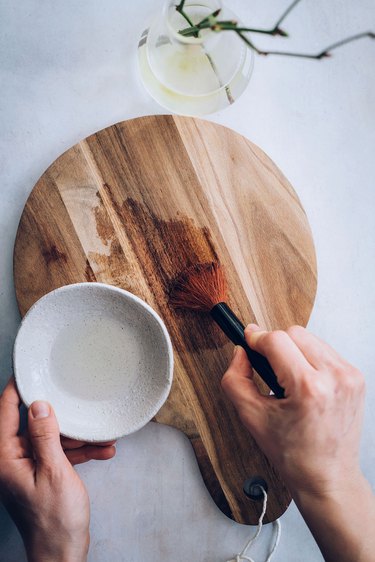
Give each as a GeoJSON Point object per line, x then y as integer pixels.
{"type": "Point", "coordinates": [133, 205]}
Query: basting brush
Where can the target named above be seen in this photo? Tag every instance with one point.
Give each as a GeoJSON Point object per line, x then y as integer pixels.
{"type": "Point", "coordinates": [203, 287]}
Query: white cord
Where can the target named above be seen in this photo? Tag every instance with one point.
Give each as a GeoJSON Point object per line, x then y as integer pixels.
{"type": "Point", "coordinates": [242, 556]}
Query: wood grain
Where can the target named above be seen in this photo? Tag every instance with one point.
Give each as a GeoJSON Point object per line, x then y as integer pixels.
{"type": "Point", "coordinates": [133, 205]}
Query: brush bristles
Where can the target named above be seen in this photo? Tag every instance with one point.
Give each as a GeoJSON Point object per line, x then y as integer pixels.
{"type": "Point", "coordinates": [200, 287]}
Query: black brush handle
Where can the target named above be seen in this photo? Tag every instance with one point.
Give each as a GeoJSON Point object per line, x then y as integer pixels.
{"type": "Point", "coordinates": [234, 329]}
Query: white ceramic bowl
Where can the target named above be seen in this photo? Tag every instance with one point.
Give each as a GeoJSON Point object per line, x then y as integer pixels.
{"type": "Point", "coordinates": [100, 355]}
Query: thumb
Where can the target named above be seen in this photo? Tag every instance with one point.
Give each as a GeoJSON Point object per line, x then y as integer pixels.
{"type": "Point", "coordinates": [240, 388]}
{"type": "Point", "coordinates": [44, 434]}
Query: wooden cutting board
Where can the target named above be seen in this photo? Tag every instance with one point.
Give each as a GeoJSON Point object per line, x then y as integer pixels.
{"type": "Point", "coordinates": [133, 205]}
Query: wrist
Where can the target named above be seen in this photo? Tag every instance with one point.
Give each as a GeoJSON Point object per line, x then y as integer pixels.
{"type": "Point", "coordinates": [332, 492]}
{"type": "Point", "coordinates": [42, 549]}
{"type": "Point", "coordinates": [332, 512]}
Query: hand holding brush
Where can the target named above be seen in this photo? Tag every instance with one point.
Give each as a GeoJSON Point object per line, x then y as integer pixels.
{"type": "Point", "coordinates": [203, 287]}
{"type": "Point", "coordinates": [312, 436]}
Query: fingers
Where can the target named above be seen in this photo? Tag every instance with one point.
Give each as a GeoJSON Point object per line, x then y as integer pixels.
{"type": "Point", "coordinates": [78, 452]}
{"type": "Point", "coordinates": [9, 411]}
{"type": "Point", "coordinates": [90, 452]}
{"type": "Point", "coordinates": [44, 435]}
{"type": "Point", "coordinates": [287, 360]}
{"type": "Point", "coordinates": [316, 351]}
{"type": "Point", "coordinates": [68, 443]}
{"type": "Point", "coordinates": [240, 388]}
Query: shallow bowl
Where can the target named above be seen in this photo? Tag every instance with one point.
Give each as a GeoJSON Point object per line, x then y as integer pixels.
{"type": "Point", "coordinates": [100, 355]}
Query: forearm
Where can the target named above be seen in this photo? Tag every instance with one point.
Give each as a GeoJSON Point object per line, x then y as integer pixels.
{"type": "Point", "coordinates": [343, 522]}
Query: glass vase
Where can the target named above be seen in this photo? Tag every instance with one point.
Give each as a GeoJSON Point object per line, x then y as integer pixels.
{"type": "Point", "coordinates": [193, 75]}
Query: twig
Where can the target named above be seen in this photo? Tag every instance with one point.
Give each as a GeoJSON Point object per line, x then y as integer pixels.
{"type": "Point", "coordinates": [212, 23]}
{"type": "Point", "coordinates": [180, 9]}
{"type": "Point", "coordinates": [228, 92]}
{"type": "Point", "coordinates": [370, 34]}
{"type": "Point", "coordinates": [228, 26]}
{"type": "Point", "coordinates": [275, 30]}
{"type": "Point", "coordinates": [324, 53]}
{"type": "Point", "coordinates": [209, 20]}
{"type": "Point", "coordinates": [287, 12]}
{"type": "Point", "coordinates": [180, 6]}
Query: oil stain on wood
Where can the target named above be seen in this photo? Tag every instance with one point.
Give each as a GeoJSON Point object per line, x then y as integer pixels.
{"type": "Point", "coordinates": [163, 249]}
{"type": "Point", "coordinates": [53, 254]}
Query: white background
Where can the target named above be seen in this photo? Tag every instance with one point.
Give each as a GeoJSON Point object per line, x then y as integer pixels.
{"type": "Point", "coordinates": [67, 69]}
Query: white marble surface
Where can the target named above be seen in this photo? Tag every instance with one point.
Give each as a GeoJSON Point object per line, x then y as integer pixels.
{"type": "Point", "coordinates": [67, 69]}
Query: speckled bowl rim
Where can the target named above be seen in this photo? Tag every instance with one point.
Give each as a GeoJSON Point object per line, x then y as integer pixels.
{"type": "Point", "coordinates": [129, 296]}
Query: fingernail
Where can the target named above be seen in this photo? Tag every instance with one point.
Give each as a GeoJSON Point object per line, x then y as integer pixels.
{"type": "Point", "coordinates": [40, 409]}
{"type": "Point", "coordinates": [252, 328]}
{"type": "Point", "coordinates": [236, 347]}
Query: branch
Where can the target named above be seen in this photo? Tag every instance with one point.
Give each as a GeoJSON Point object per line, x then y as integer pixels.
{"type": "Point", "coordinates": [275, 30]}
{"type": "Point", "coordinates": [250, 44]}
{"type": "Point", "coordinates": [193, 30]}
{"type": "Point", "coordinates": [180, 9]}
{"type": "Point", "coordinates": [334, 46]}
{"type": "Point", "coordinates": [287, 11]}
{"type": "Point", "coordinates": [228, 25]}
{"type": "Point", "coordinates": [212, 23]}
{"type": "Point", "coordinates": [323, 54]}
